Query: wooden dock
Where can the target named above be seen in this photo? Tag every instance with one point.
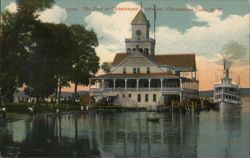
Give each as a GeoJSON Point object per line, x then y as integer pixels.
{"type": "Point", "coordinates": [192, 105]}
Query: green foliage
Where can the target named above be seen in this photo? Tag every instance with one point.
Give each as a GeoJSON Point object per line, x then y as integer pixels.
{"type": "Point", "coordinates": [32, 6]}
{"type": "Point", "coordinates": [43, 56]}
{"type": "Point", "coordinates": [106, 67]}
{"type": "Point", "coordinates": [8, 57]}
{"type": "Point", "coordinates": [84, 59]}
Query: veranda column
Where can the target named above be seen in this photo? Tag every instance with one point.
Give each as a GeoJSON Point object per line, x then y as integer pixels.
{"type": "Point", "coordinates": [103, 82]}
{"type": "Point", "coordinates": [137, 84]}
{"type": "Point", "coordinates": [180, 96]}
{"type": "Point", "coordinates": [161, 84]}
{"type": "Point", "coordinates": [149, 82]}
{"type": "Point", "coordinates": [113, 84]}
{"type": "Point", "coordinates": [180, 83]}
{"type": "Point", "coordinates": [125, 84]}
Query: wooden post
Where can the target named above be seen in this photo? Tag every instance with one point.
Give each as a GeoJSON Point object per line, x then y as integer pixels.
{"type": "Point", "coordinates": [192, 106]}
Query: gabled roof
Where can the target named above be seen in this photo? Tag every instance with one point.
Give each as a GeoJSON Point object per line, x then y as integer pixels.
{"type": "Point", "coordinates": [174, 60]}
{"type": "Point", "coordinates": [119, 57]}
{"type": "Point", "coordinates": [140, 18]}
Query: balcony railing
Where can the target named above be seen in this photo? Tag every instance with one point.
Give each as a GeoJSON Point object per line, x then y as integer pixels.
{"type": "Point", "coordinates": [164, 89]}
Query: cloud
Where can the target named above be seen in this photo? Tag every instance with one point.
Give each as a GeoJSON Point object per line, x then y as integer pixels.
{"type": "Point", "coordinates": [112, 29]}
{"type": "Point", "coordinates": [204, 15]}
{"type": "Point", "coordinates": [12, 7]}
{"type": "Point", "coordinates": [55, 15]}
{"type": "Point", "coordinates": [205, 40]}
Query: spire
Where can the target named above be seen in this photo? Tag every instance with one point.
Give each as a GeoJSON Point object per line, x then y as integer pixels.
{"type": "Point", "coordinates": [140, 18]}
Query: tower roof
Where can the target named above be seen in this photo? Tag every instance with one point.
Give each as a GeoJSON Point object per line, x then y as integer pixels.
{"type": "Point", "coordinates": [140, 18]}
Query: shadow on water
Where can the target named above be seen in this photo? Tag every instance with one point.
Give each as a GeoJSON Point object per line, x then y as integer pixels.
{"type": "Point", "coordinates": [127, 134]}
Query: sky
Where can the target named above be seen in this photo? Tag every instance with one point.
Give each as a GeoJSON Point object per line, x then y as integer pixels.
{"type": "Point", "coordinates": [211, 29]}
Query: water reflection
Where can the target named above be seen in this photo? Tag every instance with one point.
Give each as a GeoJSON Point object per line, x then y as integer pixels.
{"type": "Point", "coordinates": [102, 135]}
{"type": "Point", "coordinates": [128, 134]}
{"type": "Point", "coordinates": [224, 134]}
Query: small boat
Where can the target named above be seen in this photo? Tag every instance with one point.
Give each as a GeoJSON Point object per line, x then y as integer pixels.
{"type": "Point", "coordinates": [153, 118]}
{"type": "Point", "coordinates": [227, 93]}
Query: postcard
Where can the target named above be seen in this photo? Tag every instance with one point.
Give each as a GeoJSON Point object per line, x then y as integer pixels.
{"type": "Point", "coordinates": [124, 78]}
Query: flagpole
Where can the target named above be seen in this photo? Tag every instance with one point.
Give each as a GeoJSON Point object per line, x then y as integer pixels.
{"type": "Point", "coordinates": [154, 20]}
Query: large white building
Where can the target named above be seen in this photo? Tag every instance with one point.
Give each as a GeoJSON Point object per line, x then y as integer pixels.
{"type": "Point", "coordinates": [141, 78]}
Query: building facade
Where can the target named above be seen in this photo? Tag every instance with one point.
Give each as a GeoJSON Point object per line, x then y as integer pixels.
{"type": "Point", "coordinates": [141, 78]}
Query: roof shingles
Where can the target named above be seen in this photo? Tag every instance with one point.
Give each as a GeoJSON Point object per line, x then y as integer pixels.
{"type": "Point", "coordinates": [174, 60]}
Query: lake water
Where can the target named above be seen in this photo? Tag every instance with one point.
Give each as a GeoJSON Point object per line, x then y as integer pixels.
{"type": "Point", "coordinates": [209, 134]}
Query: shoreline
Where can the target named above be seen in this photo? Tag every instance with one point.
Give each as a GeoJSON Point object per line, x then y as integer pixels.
{"type": "Point", "coordinates": [17, 111]}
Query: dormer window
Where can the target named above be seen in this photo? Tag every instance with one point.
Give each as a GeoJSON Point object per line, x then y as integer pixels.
{"type": "Point", "coordinates": [148, 70]}
{"type": "Point", "coordinates": [124, 70]}
{"type": "Point", "coordinates": [138, 70]}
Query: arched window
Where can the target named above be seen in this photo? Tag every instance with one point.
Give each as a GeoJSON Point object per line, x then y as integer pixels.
{"type": "Point", "coordinates": [140, 50]}
{"type": "Point", "coordinates": [133, 50]}
{"type": "Point", "coordinates": [128, 50]}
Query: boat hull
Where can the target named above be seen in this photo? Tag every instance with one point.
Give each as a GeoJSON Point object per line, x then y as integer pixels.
{"type": "Point", "coordinates": [227, 105]}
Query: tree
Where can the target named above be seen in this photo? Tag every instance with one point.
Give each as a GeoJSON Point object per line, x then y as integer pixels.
{"type": "Point", "coordinates": [106, 67]}
{"type": "Point", "coordinates": [84, 59]}
{"type": "Point", "coordinates": [9, 58]}
{"type": "Point", "coordinates": [43, 56]}
{"type": "Point", "coordinates": [60, 53]}
{"type": "Point", "coordinates": [17, 43]}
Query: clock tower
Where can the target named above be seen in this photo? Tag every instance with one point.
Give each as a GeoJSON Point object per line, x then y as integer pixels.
{"type": "Point", "coordinates": [140, 41]}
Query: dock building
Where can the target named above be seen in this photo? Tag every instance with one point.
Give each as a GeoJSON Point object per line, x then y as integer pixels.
{"type": "Point", "coordinates": [140, 77]}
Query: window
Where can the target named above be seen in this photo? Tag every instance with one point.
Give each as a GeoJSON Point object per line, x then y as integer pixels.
{"type": "Point", "coordinates": [146, 97]}
{"type": "Point", "coordinates": [138, 32]}
{"type": "Point", "coordinates": [154, 97]}
{"type": "Point", "coordinates": [124, 70]}
{"type": "Point", "coordinates": [138, 70]}
{"type": "Point", "coordinates": [133, 50]}
{"type": "Point", "coordinates": [148, 70]}
{"type": "Point", "coordinates": [140, 50]}
{"type": "Point", "coordinates": [123, 95]}
{"type": "Point", "coordinates": [128, 50]}
{"type": "Point", "coordinates": [139, 97]}
{"type": "Point", "coordinates": [129, 95]}
{"type": "Point", "coordinates": [134, 70]}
